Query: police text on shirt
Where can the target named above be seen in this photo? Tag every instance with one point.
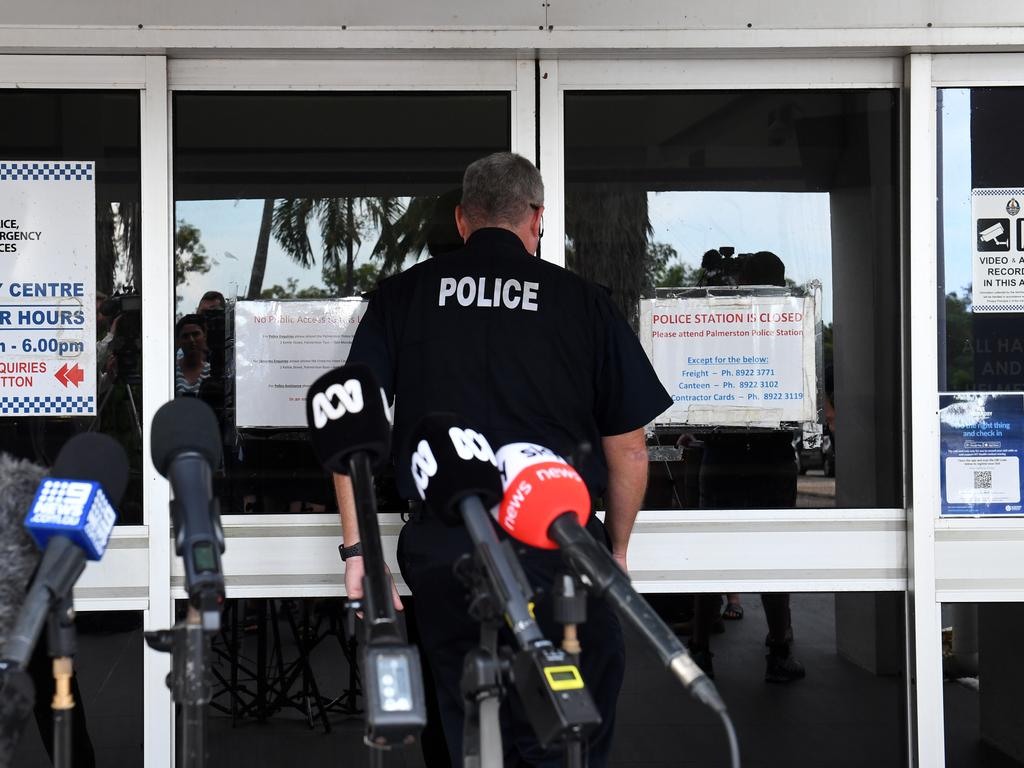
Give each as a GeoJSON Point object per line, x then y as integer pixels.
{"type": "Point", "coordinates": [482, 292]}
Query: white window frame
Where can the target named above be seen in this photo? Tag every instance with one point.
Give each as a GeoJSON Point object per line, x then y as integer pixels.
{"type": "Point", "coordinates": [133, 562]}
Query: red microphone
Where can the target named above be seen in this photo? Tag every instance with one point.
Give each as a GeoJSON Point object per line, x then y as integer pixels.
{"type": "Point", "coordinates": [539, 486]}
{"type": "Point", "coordinates": [546, 505]}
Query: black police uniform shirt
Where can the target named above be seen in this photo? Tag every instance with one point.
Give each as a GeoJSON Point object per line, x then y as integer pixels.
{"type": "Point", "coordinates": [521, 348]}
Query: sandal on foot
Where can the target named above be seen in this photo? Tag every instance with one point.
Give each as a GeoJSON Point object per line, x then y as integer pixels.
{"type": "Point", "coordinates": [733, 612]}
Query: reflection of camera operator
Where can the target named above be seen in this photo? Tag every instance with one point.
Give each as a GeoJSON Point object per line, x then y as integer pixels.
{"type": "Point", "coordinates": [748, 470]}
{"type": "Point", "coordinates": [192, 368]}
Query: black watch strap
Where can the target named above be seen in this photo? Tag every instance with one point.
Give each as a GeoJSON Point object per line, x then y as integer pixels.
{"type": "Point", "coordinates": [355, 550]}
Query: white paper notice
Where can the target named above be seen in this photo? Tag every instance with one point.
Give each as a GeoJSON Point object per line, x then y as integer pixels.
{"type": "Point", "coordinates": [733, 361]}
{"type": "Point", "coordinates": [281, 347]}
{"type": "Point", "coordinates": [47, 289]}
{"type": "Point", "coordinates": [998, 253]}
{"type": "Point", "coordinates": [982, 480]}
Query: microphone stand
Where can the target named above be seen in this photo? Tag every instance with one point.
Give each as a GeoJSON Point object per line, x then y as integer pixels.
{"type": "Point", "coordinates": [62, 643]}
{"type": "Point", "coordinates": [500, 593]}
{"type": "Point", "coordinates": [396, 707]}
{"type": "Point", "coordinates": [188, 642]}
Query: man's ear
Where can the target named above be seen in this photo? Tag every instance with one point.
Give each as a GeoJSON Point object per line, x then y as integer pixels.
{"type": "Point", "coordinates": [461, 224]}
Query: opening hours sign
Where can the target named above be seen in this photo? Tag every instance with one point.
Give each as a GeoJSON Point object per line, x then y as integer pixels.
{"type": "Point", "coordinates": [47, 289]}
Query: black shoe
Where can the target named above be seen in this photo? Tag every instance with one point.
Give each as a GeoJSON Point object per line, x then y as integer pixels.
{"type": "Point", "coordinates": [783, 668]}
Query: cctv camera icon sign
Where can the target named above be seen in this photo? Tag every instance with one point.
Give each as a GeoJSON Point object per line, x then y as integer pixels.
{"type": "Point", "coordinates": [993, 235]}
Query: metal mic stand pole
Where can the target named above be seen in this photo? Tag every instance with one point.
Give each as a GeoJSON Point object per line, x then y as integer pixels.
{"type": "Point", "coordinates": [193, 688]}
{"type": "Point", "coordinates": [62, 644]}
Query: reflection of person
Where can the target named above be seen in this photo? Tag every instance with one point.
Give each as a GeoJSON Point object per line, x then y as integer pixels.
{"type": "Point", "coordinates": [749, 470]}
{"type": "Point", "coordinates": [192, 368]}
{"type": "Point", "coordinates": [554, 363]}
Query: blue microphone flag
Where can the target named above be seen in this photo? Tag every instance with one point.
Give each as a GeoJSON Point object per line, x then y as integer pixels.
{"type": "Point", "coordinates": [76, 509]}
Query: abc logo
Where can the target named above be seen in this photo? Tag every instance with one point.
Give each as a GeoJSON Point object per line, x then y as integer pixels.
{"type": "Point", "coordinates": [335, 401]}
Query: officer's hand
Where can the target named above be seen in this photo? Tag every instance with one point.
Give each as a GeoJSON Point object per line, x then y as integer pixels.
{"type": "Point", "coordinates": [620, 558]}
{"type": "Point", "coordinates": [355, 569]}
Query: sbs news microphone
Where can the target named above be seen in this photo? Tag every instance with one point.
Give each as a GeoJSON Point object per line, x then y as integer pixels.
{"type": "Point", "coordinates": [185, 446]}
{"type": "Point", "coordinates": [71, 519]}
{"type": "Point", "coordinates": [347, 413]}
{"type": "Point", "coordinates": [546, 504]}
{"type": "Point", "coordinates": [18, 559]}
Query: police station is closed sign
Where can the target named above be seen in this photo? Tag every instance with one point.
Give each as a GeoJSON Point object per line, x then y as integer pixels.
{"type": "Point", "coordinates": [736, 361]}
{"type": "Point", "coordinates": [47, 289]}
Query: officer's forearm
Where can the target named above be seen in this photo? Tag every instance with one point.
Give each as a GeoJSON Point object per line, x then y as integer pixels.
{"type": "Point", "coordinates": [347, 510]}
{"type": "Point", "coordinates": [627, 481]}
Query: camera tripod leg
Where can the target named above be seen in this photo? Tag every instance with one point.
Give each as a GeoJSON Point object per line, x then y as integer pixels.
{"type": "Point", "coordinates": [134, 411]}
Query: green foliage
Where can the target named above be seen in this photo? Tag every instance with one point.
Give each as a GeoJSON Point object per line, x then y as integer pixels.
{"type": "Point", "coordinates": [189, 253]}
{"type": "Point", "coordinates": [959, 342]}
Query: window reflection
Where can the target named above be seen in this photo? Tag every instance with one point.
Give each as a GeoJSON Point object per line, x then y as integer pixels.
{"type": "Point", "coordinates": [704, 188]}
{"type": "Point", "coordinates": [102, 127]}
{"type": "Point", "coordinates": [295, 201]}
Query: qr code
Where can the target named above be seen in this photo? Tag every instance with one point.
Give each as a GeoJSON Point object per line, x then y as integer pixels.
{"type": "Point", "coordinates": [983, 480]}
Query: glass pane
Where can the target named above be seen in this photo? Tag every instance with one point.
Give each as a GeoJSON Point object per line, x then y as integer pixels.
{"type": "Point", "coordinates": [750, 200]}
{"type": "Point", "coordinates": [301, 200]}
{"type": "Point", "coordinates": [848, 709]}
{"type": "Point", "coordinates": [102, 127]}
{"type": "Point", "coordinates": [107, 724]}
{"type": "Point", "coordinates": [981, 240]}
{"type": "Point", "coordinates": [981, 691]}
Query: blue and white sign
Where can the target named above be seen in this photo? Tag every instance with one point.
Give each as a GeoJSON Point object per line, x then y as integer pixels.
{"type": "Point", "coordinates": [998, 253]}
{"type": "Point", "coordinates": [47, 289]}
{"type": "Point", "coordinates": [77, 509]}
{"type": "Point", "coordinates": [981, 439]}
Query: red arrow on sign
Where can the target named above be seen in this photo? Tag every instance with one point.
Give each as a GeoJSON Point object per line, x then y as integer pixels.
{"type": "Point", "coordinates": [75, 375]}
{"type": "Point", "coordinates": [62, 376]}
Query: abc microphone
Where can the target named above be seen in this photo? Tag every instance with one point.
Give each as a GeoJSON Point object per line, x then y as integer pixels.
{"type": "Point", "coordinates": [456, 474]}
{"type": "Point", "coordinates": [346, 410]}
{"type": "Point", "coordinates": [546, 504]}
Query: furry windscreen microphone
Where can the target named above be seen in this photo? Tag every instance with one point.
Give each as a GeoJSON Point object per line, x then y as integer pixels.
{"type": "Point", "coordinates": [18, 552]}
{"type": "Point", "coordinates": [347, 413]}
{"type": "Point", "coordinates": [450, 462]}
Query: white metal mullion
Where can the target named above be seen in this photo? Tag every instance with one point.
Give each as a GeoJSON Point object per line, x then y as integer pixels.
{"type": "Point", "coordinates": [524, 110]}
{"type": "Point", "coordinates": [552, 163]}
{"type": "Point", "coordinates": [157, 332]}
{"type": "Point", "coordinates": [923, 497]}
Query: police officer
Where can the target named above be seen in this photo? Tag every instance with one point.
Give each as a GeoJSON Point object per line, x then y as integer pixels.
{"type": "Point", "coordinates": [527, 351]}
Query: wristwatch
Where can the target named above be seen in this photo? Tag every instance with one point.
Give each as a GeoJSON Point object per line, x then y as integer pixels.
{"type": "Point", "coordinates": [355, 550]}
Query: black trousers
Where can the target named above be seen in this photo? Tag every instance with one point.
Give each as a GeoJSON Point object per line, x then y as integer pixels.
{"type": "Point", "coordinates": [427, 550]}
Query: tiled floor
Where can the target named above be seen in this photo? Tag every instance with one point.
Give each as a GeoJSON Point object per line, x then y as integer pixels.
{"type": "Point", "coordinates": [839, 716]}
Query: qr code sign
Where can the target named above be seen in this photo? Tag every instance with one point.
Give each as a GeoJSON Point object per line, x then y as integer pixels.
{"type": "Point", "coordinates": [983, 480]}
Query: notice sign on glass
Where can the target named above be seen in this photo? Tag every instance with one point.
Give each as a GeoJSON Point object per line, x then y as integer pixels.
{"type": "Point", "coordinates": [998, 253]}
{"type": "Point", "coordinates": [981, 436]}
{"type": "Point", "coordinates": [47, 289]}
{"type": "Point", "coordinates": [281, 347]}
{"type": "Point", "coordinates": [733, 361]}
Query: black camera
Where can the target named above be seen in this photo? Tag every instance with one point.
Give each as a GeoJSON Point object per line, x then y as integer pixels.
{"type": "Point", "coordinates": [126, 346]}
{"type": "Point", "coordinates": [724, 267]}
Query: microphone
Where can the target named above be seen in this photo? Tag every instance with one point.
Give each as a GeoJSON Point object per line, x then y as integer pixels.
{"type": "Point", "coordinates": [347, 413]}
{"type": "Point", "coordinates": [185, 446]}
{"type": "Point", "coordinates": [456, 474]}
{"type": "Point", "coordinates": [545, 505]}
{"type": "Point", "coordinates": [71, 519]}
{"type": "Point", "coordinates": [18, 559]}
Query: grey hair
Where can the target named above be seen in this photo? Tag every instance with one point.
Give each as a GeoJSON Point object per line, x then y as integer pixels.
{"type": "Point", "coordinates": [501, 189]}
